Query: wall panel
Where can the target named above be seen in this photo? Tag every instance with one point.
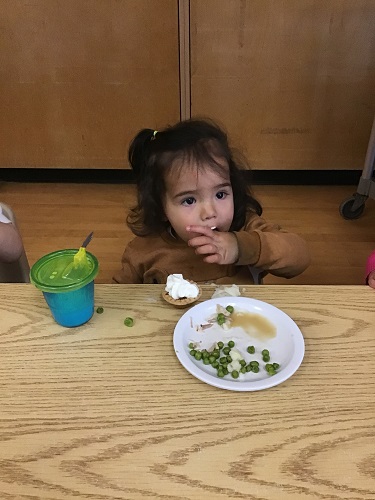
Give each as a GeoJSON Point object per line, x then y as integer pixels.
{"type": "Point", "coordinates": [292, 80]}
{"type": "Point", "coordinates": [78, 78]}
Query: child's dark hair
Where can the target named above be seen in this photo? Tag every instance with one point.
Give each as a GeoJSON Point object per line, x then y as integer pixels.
{"type": "Point", "coordinates": [200, 143]}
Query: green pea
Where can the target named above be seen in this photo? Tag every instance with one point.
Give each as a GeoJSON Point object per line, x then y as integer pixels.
{"type": "Point", "coordinates": [191, 345]}
{"type": "Point", "coordinates": [242, 362]}
{"type": "Point", "coordinates": [198, 356]}
{"type": "Point", "coordinates": [220, 373]}
{"type": "Point", "coordinates": [215, 364]}
{"type": "Point", "coordinates": [192, 352]}
{"type": "Point", "coordinates": [251, 349]}
{"type": "Point", "coordinates": [254, 363]}
{"type": "Point", "coordinates": [230, 309]}
{"type": "Point", "coordinates": [266, 358]}
{"type": "Point", "coordinates": [249, 368]}
{"type": "Point", "coordinates": [223, 360]}
{"type": "Point", "coordinates": [100, 310]}
{"type": "Point", "coordinates": [229, 359]}
{"type": "Point", "coordinates": [270, 369]}
{"type": "Point", "coordinates": [276, 365]}
{"type": "Point", "coordinates": [128, 321]}
{"type": "Point", "coordinates": [206, 361]}
{"type": "Point", "coordinates": [235, 374]}
{"type": "Point", "coordinates": [220, 344]}
{"type": "Point", "coordinates": [265, 352]}
{"type": "Point", "coordinates": [226, 350]}
{"type": "Point", "coordinates": [212, 359]}
{"type": "Point", "coordinates": [216, 354]}
{"type": "Point", "coordinates": [255, 369]}
{"type": "Point", "coordinates": [220, 319]}
{"type": "Point", "coordinates": [231, 344]}
{"type": "Point", "coordinates": [243, 369]}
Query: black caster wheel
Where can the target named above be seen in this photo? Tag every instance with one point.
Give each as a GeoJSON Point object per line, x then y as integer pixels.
{"type": "Point", "coordinates": [346, 208]}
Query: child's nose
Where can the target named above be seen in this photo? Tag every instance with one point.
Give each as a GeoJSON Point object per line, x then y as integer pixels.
{"type": "Point", "coordinates": [208, 211]}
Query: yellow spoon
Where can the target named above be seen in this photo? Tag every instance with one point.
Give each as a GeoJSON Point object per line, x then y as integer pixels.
{"type": "Point", "coordinates": [79, 260]}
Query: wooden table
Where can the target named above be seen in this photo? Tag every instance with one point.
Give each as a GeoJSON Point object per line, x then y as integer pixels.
{"type": "Point", "coordinates": [107, 412]}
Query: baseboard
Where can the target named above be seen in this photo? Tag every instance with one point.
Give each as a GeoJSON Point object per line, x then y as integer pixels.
{"type": "Point", "coordinates": [114, 176]}
{"type": "Point", "coordinates": [307, 177]}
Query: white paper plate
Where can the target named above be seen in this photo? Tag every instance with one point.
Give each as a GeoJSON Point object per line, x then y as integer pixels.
{"type": "Point", "coordinates": [287, 347]}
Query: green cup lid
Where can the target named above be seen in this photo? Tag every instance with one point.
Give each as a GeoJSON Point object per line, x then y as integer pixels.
{"type": "Point", "coordinates": [56, 273]}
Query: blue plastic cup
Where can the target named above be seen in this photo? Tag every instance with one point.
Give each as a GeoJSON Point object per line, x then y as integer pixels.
{"type": "Point", "coordinates": [68, 291]}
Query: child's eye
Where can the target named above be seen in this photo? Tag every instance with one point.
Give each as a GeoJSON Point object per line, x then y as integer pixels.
{"type": "Point", "coordinates": [188, 201]}
{"type": "Point", "coordinates": [221, 195]}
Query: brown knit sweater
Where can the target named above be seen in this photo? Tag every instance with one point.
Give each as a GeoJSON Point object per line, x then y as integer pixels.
{"type": "Point", "coordinates": [261, 244]}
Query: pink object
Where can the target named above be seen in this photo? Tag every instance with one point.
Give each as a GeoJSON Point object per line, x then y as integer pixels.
{"type": "Point", "coordinates": [370, 265]}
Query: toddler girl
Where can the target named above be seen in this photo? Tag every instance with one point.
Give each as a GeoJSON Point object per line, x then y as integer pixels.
{"type": "Point", "coordinates": [195, 214]}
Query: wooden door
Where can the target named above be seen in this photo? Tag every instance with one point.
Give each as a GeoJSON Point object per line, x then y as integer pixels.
{"type": "Point", "coordinates": [292, 81]}
{"type": "Point", "coordinates": [78, 78]}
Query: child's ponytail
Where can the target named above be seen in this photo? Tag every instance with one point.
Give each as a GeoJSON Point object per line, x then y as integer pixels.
{"type": "Point", "coordinates": [139, 151]}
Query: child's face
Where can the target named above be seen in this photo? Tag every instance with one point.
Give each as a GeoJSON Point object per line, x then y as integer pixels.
{"type": "Point", "coordinates": [203, 198]}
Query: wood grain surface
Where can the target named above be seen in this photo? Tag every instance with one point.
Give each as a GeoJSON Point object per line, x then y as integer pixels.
{"type": "Point", "coordinates": [292, 81]}
{"type": "Point", "coordinates": [79, 79]}
{"type": "Point", "coordinates": [104, 411]}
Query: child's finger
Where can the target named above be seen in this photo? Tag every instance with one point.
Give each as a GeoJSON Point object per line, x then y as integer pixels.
{"type": "Point", "coordinates": [199, 241]}
{"type": "Point", "coordinates": [207, 231]}
{"type": "Point", "coordinates": [212, 259]}
{"type": "Point", "coordinates": [206, 249]}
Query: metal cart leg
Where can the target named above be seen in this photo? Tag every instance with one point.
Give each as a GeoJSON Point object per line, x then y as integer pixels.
{"type": "Point", "coordinates": [353, 207]}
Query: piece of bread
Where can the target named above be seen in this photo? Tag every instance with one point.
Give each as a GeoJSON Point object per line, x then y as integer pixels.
{"type": "Point", "coordinates": [184, 301]}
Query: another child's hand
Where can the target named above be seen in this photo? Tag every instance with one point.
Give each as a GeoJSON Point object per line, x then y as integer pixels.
{"type": "Point", "coordinates": [371, 279]}
{"type": "Point", "coordinates": [218, 247]}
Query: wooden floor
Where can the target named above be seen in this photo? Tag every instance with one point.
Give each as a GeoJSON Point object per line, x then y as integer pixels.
{"type": "Point", "coordinates": [54, 216]}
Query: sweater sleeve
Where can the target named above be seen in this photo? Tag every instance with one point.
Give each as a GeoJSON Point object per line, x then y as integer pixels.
{"type": "Point", "coordinates": [130, 271]}
{"type": "Point", "coordinates": [271, 248]}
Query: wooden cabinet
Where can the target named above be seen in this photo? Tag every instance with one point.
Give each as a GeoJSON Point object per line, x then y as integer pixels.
{"type": "Point", "coordinates": [78, 78]}
{"type": "Point", "coordinates": [292, 81]}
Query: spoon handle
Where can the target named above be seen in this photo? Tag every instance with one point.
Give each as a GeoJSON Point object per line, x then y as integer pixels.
{"type": "Point", "coordinates": [87, 240]}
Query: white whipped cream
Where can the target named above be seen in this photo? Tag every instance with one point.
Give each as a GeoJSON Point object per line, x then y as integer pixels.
{"type": "Point", "coordinates": [179, 288]}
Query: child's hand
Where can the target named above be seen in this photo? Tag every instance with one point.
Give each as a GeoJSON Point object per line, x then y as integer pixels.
{"type": "Point", "coordinates": [219, 248]}
{"type": "Point", "coordinates": [371, 279]}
